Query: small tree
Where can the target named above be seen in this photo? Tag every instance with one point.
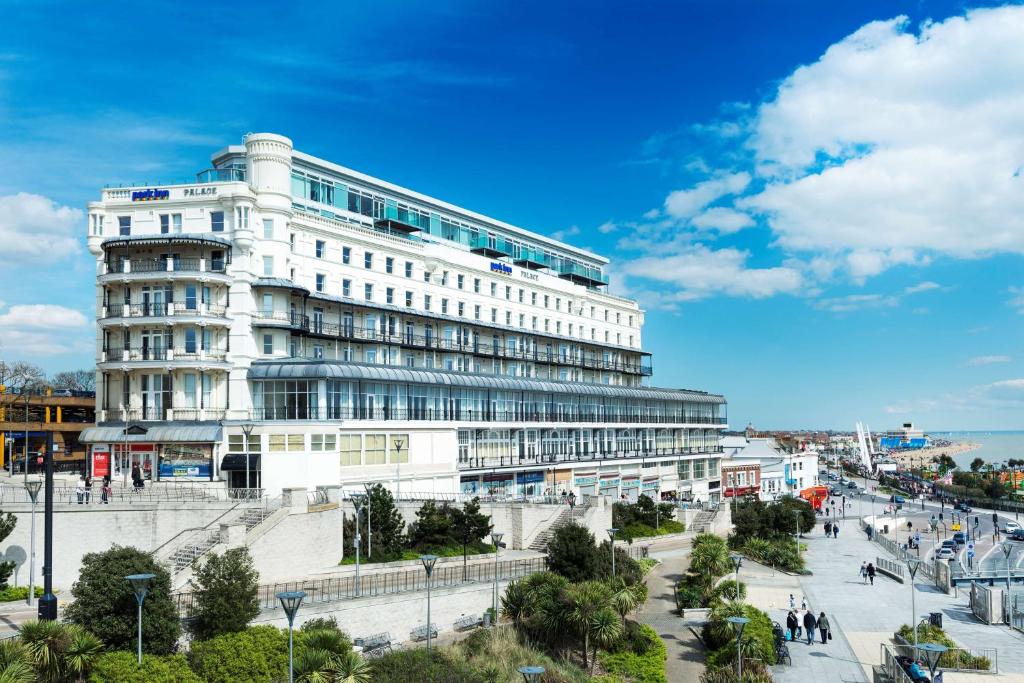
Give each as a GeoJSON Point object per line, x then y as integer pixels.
{"type": "Point", "coordinates": [225, 589]}
{"type": "Point", "coordinates": [104, 602]}
{"type": "Point", "coordinates": [388, 524]}
{"type": "Point", "coordinates": [7, 524]}
{"type": "Point", "coordinates": [75, 380]}
{"type": "Point", "coordinates": [432, 528]}
{"type": "Point", "coordinates": [572, 553]}
{"type": "Point", "coordinates": [977, 464]}
{"type": "Point", "coordinates": [469, 525]}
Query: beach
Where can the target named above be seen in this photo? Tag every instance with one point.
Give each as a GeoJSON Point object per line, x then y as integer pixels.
{"type": "Point", "coordinates": [933, 452]}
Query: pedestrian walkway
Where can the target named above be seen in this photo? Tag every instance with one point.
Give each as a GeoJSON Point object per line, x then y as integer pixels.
{"type": "Point", "coordinates": [685, 653]}
{"type": "Point", "coordinates": [863, 616]}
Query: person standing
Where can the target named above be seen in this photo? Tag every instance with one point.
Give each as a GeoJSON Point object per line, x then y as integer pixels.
{"type": "Point", "coordinates": [792, 602]}
{"type": "Point", "coordinates": [809, 623]}
{"type": "Point", "coordinates": [803, 603]}
{"type": "Point", "coordinates": [80, 489]}
{"type": "Point", "coordinates": [871, 573]}
{"type": "Point", "coordinates": [88, 490]}
{"type": "Point", "coordinates": [825, 628]}
{"type": "Point", "coordinates": [835, 531]}
{"type": "Point", "coordinates": [792, 624]}
{"type": "Point", "coordinates": [863, 572]}
{"type": "Point", "coordinates": [828, 528]}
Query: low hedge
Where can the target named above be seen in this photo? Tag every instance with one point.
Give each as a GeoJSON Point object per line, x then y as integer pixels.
{"type": "Point", "coordinates": [927, 633]}
{"type": "Point", "coordinates": [641, 661]}
{"type": "Point", "coordinates": [446, 551]}
{"type": "Point", "coordinates": [123, 667]}
{"type": "Point", "coordinates": [775, 552]}
{"type": "Point", "coordinates": [259, 653]}
{"type": "Point", "coordinates": [721, 642]}
{"type": "Point", "coordinates": [12, 593]}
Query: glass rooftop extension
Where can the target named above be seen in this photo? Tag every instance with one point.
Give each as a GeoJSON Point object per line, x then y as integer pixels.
{"type": "Point", "coordinates": [399, 216]}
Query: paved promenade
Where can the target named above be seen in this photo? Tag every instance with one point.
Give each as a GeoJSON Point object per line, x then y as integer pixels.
{"type": "Point", "coordinates": [863, 616]}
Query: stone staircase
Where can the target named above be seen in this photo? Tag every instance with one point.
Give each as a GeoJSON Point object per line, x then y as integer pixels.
{"type": "Point", "coordinates": [565, 516]}
{"type": "Point", "coordinates": [703, 521]}
{"type": "Point", "coordinates": [203, 540]}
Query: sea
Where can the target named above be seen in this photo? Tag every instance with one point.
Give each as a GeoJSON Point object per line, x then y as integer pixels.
{"type": "Point", "coordinates": [995, 447]}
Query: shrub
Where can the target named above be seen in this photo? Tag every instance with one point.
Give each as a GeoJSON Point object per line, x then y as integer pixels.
{"type": "Point", "coordinates": [625, 566]}
{"type": "Point", "coordinates": [123, 667]}
{"type": "Point", "coordinates": [572, 553]}
{"type": "Point", "coordinates": [12, 593]}
{"type": "Point", "coordinates": [321, 624]}
{"type": "Point", "coordinates": [730, 590]}
{"type": "Point", "coordinates": [960, 659]}
{"type": "Point", "coordinates": [225, 594]}
{"type": "Point", "coordinates": [643, 661]}
{"type": "Point", "coordinates": [758, 639]}
{"type": "Point", "coordinates": [105, 603]}
{"type": "Point", "coordinates": [259, 653]}
{"type": "Point", "coordinates": [59, 651]}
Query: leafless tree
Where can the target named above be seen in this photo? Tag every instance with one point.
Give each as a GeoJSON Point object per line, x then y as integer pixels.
{"type": "Point", "coordinates": [21, 376]}
{"type": "Point", "coordinates": [75, 380]}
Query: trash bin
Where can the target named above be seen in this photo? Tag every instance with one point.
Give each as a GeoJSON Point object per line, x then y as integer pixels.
{"type": "Point", "coordinates": [885, 529]}
{"type": "Point", "coordinates": [935, 619]}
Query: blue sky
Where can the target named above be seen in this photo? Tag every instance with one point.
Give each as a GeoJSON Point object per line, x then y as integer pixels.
{"type": "Point", "coordinates": [818, 204]}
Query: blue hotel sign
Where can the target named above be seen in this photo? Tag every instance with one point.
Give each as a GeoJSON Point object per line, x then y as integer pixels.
{"type": "Point", "coordinates": [150, 195]}
{"type": "Point", "coordinates": [501, 268]}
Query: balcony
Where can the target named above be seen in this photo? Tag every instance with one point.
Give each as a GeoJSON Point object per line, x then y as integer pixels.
{"type": "Point", "coordinates": [159, 265]}
{"type": "Point", "coordinates": [290, 319]}
{"type": "Point", "coordinates": [582, 275]}
{"type": "Point", "coordinates": [160, 414]}
{"type": "Point", "coordinates": [181, 354]}
{"type": "Point", "coordinates": [534, 259]}
{"type": "Point", "coordinates": [493, 246]}
{"type": "Point", "coordinates": [401, 220]}
{"type": "Point", "coordinates": [147, 311]}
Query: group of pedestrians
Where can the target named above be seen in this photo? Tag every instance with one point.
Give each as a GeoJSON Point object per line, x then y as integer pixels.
{"type": "Point", "coordinates": [83, 490]}
{"type": "Point", "coordinates": [867, 572]}
{"type": "Point", "coordinates": [802, 622]}
{"type": "Point", "coordinates": [831, 530]}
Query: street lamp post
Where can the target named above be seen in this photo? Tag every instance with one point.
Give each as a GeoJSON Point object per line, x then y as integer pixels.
{"type": "Point", "coordinates": [913, 564]}
{"type": "Point", "coordinates": [369, 522]}
{"type": "Point", "coordinates": [1007, 551]}
{"type": "Point", "coordinates": [290, 601]}
{"type": "Point", "coordinates": [357, 504]}
{"type": "Point", "coordinates": [48, 603]}
{"type": "Point", "coordinates": [398, 468]}
{"type": "Point", "coordinates": [428, 565]}
{"type": "Point", "coordinates": [611, 541]}
{"type": "Point", "coordinates": [496, 537]}
{"type": "Point", "coordinates": [531, 674]}
{"type": "Point", "coordinates": [140, 584]}
{"type": "Point", "coordinates": [247, 428]}
{"type": "Point", "coordinates": [32, 487]}
{"type": "Point", "coordinates": [737, 562]}
{"type": "Point", "coordinates": [932, 653]}
{"type": "Point", "coordinates": [738, 624]}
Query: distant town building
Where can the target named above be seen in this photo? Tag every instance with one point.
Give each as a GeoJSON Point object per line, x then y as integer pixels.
{"type": "Point", "coordinates": [26, 420]}
{"type": "Point", "coordinates": [780, 473]}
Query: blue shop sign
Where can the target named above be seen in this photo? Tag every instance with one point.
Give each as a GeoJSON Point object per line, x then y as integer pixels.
{"type": "Point", "coordinates": [586, 481]}
{"type": "Point", "coordinates": [501, 268]}
{"type": "Point", "coordinates": [650, 484]}
{"type": "Point", "coordinates": [609, 483]}
{"type": "Point", "coordinates": [530, 477]}
{"type": "Point", "coordinates": [630, 483]}
{"type": "Point", "coordinates": [150, 195]}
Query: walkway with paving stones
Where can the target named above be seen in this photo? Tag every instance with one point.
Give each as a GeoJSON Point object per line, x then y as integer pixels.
{"type": "Point", "coordinates": [685, 653]}
{"type": "Point", "coordinates": [863, 616]}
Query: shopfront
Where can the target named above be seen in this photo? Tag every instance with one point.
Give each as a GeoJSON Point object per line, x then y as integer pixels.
{"type": "Point", "coordinates": [157, 453]}
{"type": "Point", "coordinates": [586, 482]}
{"type": "Point", "coordinates": [499, 484]}
{"type": "Point", "coordinates": [631, 487]}
{"type": "Point", "coordinates": [530, 483]}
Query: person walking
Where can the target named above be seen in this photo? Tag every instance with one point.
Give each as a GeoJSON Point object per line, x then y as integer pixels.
{"type": "Point", "coordinates": [803, 603]}
{"type": "Point", "coordinates": [792, 624]}
{"type": "Point", "coordinates": [824, 628]}
{"type": "Point", "coordinates": [80, 489]}
{"type": "Point", "coordinates": [792, 602]}
{"type": "Point", "coordinates": [835, 531]}
{"type": "Point", "coordinates": [828, 529]}
{"type": "Point", "coordinates": [871, 573]}
{"type": "Point", "coordinates": [106, 491]}
{"type": "Point", "coordinates": [137, 481]}
{"type": "Point", "coordinates": [863, 572]}
{"type": "Point", "coordinates": [88, 490]}
{"type": "Point", "coordinates": [809, 623]}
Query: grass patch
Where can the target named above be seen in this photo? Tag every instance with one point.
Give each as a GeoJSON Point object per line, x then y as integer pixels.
{"type": "Point", "coordinates": [669, 526]}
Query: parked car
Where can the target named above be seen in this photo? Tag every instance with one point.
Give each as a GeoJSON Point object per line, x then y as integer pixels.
{"type": "Point", "coordinates": [963, 507]}
{"type": "Point", "coordinates": [899, 500]}
{"type": "Point", "coordinates": [945, 553]}
{"type": "Point", "coordinates": [851, 484]}
{"type": "Point", "coordinates": [834, 491]}
{"type": "Point", "coordinates": [960, 538]}
{"type": "Point", "coordinates": [1009, 526]}
{"type": "Point", "coordinates": [1017, 535]}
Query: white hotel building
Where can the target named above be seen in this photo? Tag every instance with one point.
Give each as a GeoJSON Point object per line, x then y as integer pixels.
{"type": "Point", "coordinates": [360, 331]}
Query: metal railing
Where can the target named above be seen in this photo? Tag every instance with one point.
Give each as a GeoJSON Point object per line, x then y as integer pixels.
{"type": "Point", "coordinates": [955, 658]}
{"type": "Point", "coordinates": [382, 583]}
{"type": "Point", "coordinates": [889, 567]}
{"type": "Point", "coordinates": [68, 495]}
{"type": "Point", "coordinates": [894, 670]}
{"type": "Point", "coordinates": [160, 310]}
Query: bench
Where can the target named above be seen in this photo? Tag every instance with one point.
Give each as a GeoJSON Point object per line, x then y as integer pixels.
{"type": "Point", "coordinates": [377, 641]}
{"type": "Point", "coordinates": [465, 623]}
{"type": "Point", "coordinates": [420, 632]}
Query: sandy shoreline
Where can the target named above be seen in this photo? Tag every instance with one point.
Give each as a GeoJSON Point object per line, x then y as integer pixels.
{"type": "Point", "coordinates": [933, 452]}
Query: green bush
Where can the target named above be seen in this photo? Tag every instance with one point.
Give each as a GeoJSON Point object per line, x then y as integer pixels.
{"type": "Point", "coordinates": [105, 603]}
{"type": "Point", "coordinates": [12, 593]}
{"type": "Point", "coordinates": [647, 564]}
{"type": "Point", "coordinates": [643, 662]}
{"type": "Point", "coordinates": [225, 594]}
{"type": "Point", "coordinates": [727, 590]}
{"type": "Point", "coordinates": [960, 659]}
{"type": "Point", "coordinates": [572, 553]}
{"type": "Point", "coordinates": [123, 667]}
{"type": "Point", "coordinates": [259, 653]}
{"type": "Point", "coordinates": [758, 639]}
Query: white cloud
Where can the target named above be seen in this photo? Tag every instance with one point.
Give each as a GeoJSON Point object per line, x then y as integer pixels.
{"type": "Point", "coordinates": [921, 287]}
{"type": "Point", "coordinates": [685, 204]}
{"type": "Point", "coordinates": [988, 360]}
{"type": "Point", "coordinates": [607, 227]}
{"type": "Point", "coordinates": [1017, 300]}
{"type": "Point", "coordinates": [699, 272]}
{"type": "Point", "coordinates": [35, 228]}
{"type": "Point", "coordinates": [893, 144]}
{"type": "Point", "coordinates": [562, 235]}
{"type": "Point", "coordinates": [42, 330]}
{"type": "Point", "coordinates": [856, 302]}
{"type": "Point", "coordinates": [723, 219]}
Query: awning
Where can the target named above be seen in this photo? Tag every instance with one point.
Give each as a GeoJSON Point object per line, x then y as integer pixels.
{"type": "Point", "coordinates": [157, 433]}
{"type": "Point", "coordinates": [235, 462]}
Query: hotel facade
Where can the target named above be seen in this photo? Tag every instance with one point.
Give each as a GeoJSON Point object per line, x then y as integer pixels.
{"type": "Point", "coordinates": [288, 322]}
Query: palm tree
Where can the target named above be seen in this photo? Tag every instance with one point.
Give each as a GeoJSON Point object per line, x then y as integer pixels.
{"type": "Point", "coordinates": [626, 598]}
{"type": "Point", "coordinates": [586, 601]}
{"type": "Point", "coordinates": [45, 643]}
{"type": "Point", "coordinates": [14, 665]}
{"type": "Point", "coordinates": [82, 652]}
{"type": "Point", "coordinates": [604, 629]}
